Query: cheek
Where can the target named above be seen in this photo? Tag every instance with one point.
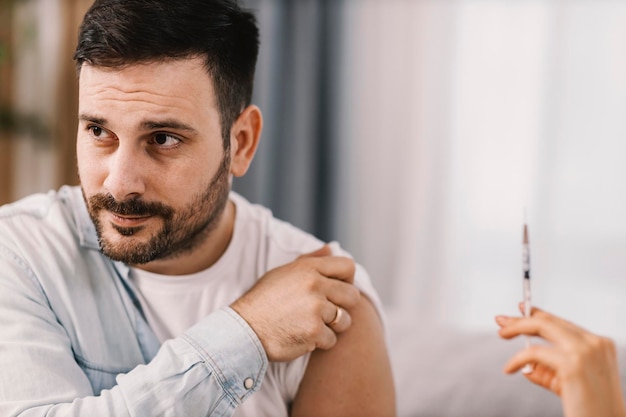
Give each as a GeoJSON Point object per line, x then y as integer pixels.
{"type": "Point", "coordinates": [181, 187]}
{"type": "Point", "coordinates": [90, 169]}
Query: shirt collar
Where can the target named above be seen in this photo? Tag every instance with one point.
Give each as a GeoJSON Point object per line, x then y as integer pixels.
{"type": "Point", "coordinates": [85, 228]}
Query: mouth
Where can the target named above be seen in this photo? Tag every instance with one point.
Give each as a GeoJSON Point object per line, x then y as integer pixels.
{"type": "Point", "coordinates": [128, 220]}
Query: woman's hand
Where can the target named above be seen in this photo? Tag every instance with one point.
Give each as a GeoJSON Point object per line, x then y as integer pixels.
{"type": "Point", "coordinates": [578, 366]}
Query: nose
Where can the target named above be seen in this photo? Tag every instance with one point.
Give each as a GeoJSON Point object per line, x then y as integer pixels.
{"type": "Point", "coordinates": [125, 177]}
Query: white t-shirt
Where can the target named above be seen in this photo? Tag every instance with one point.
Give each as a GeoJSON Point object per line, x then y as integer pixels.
{"type": "Point", "coordinates": [259, 243]}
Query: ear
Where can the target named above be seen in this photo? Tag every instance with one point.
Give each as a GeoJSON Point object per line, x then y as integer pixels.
{"type": "Point", "coordinates": [244, 139]}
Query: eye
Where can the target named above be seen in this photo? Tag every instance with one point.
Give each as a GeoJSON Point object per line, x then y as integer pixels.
{"type": "Point", "coordinates": [166, 140]}
{"type": "Point", "coordinates": [98, 132]}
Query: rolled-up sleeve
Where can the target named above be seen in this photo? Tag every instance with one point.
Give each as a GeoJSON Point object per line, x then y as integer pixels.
{"type": "Point", "coordinates": [214, 367]}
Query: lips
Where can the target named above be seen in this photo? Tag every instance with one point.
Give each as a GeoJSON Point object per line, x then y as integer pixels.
{"type": "Point", "coordinates": [128, 220]}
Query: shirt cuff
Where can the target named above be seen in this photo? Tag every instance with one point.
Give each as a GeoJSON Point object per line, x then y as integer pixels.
{"type": "Point", "coordinates": [232, 350]}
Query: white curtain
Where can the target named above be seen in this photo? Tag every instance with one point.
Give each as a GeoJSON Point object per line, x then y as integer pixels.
{"type": "Point", "coordinates": [460, 116]}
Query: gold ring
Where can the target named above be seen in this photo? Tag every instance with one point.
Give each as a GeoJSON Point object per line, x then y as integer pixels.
{"type": "Point", "coordinates": [338, 317]}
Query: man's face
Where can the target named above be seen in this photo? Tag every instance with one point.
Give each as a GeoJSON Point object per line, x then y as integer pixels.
{"type": "Point", "coordinates": [150, 157]}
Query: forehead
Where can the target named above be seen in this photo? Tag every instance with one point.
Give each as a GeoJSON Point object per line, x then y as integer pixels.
{"type": "Point", "coordinates": [172, 85]}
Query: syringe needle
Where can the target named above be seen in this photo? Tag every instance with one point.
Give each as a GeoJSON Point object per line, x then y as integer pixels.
{"type": "Point", "coordinates": [528, 368]}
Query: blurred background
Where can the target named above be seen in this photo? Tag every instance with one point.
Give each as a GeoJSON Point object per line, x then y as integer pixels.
{"type": "Point", "coordinates": [416, 133]}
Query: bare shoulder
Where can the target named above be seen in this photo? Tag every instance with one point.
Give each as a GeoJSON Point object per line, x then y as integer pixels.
{"type": "Point", "coordinates": [354, 377]}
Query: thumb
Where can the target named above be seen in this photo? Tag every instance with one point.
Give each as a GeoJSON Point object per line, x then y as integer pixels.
{"type": "Point", "coordinates": [323, 251]}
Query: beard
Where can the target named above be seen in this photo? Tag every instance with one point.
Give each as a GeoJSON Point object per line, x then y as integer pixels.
{"type": "Point", "coordinates": [182, 229]}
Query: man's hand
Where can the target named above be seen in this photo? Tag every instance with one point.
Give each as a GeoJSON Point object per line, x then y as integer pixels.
{"type": "Point", "coordinates": [293, 309]}
{"type": "Point", "coordinates": [577, 365]}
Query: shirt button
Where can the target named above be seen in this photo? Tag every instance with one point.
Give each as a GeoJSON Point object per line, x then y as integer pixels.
{"type": "Point", "coordinates": [248, 383]}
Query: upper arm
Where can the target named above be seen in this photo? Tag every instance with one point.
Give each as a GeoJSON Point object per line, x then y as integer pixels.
{"type": "Point", "coordinates": [354, 377]}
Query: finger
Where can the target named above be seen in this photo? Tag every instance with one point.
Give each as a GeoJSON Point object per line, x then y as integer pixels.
{"type": "Point", "coordinates": [341, 322]}
{"type": "Point", "coordinates": [539, 325]}
{"type": "Point", "coordinates": [341, 294]}
{"type": "Point", "coordinates": [545, 377]}
{"type": "Point", "coordinates": [507, 322]}
{"type": "Point", "coordinates": [503, 321]}
{"type": "Point", "coordinates": [337, 267]}
{"type": "Point", "coordinates": [538, 354]}
{"type": "Point", "coordinates": [327, 338]}
{"type": "Point", "coordinates": [522, 308]}
{"type": "Point", "coordinates": [323, 251]}
{"type": "Point", "coordinates": [337, 317]}
{"type": "Point", "coordinates": [538, 312]}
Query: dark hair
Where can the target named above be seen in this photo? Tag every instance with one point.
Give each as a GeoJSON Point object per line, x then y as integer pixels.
{"type": "Point", "coordinates": [117, 33]}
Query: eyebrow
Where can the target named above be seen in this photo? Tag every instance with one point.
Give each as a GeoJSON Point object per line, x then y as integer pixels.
{"type": "Point", "coordinates": [166, 124]}
{"type": "Point", "coordinates": [92, 119]}
{"type": "Point", "coordinates": [145, 125]}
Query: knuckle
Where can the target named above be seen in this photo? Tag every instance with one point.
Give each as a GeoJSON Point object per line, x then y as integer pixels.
{"type": "Point", "coordinates": [572, 361]}
{"type": "Point", "coordinates": [594, 343]}
{"type": "Point", "coordinates": [608, 345]}
{"type": "Point", "coordinates": [599, 345]}
{"type": "Point", "coordinates": [316, 306]}
{"type": "Point", "coordinates": [312, 330]}
{"type": "Point", "coordinates": [318, 328]}
{"type": "Point", "coordinates": [352, 295]}
{"type": "Point", "coordinates": [310, 281]}
{"type": "Point", "coordinates": [355, 294]}
{"type": "Point", "coordinates": [329, 341]}
{"type": "Point", "coordinates": [351, 269]}
{"type": "Point", "coordinates": [350, 265]}
{"type": "Point", "coordinates": [306, 264]}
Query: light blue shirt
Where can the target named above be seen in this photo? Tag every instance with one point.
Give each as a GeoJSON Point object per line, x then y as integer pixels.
{"type": "Point", "coordinates": [73, 340]}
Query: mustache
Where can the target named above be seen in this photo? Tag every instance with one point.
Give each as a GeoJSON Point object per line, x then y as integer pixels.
{"type": "Point", "coordinates": [132, 207]}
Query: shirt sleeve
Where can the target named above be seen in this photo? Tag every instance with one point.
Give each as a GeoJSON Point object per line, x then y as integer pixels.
{"type": "Point", "coordinates": [210, 370]}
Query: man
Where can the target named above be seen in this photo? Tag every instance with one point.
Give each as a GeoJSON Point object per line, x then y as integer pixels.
{"type": "Point", "coordinates": [152, 289]}
{"type": "Point", "coordinates": [578, 366]}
